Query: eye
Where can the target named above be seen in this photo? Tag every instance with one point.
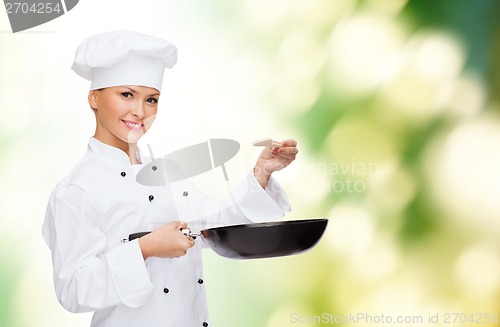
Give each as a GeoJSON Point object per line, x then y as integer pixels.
{"type": "Point", "coordinates": [152, 100]}
{"type": "Point", "coordinates": [127, 94]}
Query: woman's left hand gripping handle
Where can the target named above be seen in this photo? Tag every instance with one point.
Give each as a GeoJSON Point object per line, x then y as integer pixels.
{"type": "Point", "coordinates": [167, 241]}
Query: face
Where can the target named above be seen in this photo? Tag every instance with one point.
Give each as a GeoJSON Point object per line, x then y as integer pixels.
{"type": "Point", "coordinates": [123, 113]}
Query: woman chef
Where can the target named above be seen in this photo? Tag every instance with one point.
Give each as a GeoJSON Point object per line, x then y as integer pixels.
{"type": "Point", "coordinates": [156, 280]}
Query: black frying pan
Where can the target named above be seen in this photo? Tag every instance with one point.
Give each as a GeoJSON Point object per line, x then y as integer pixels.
{"type": "Point", "coordinates": [261, 240]}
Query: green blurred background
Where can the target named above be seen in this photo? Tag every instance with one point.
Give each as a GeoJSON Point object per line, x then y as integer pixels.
{"type": "Point", "coordinates": [394, 104]}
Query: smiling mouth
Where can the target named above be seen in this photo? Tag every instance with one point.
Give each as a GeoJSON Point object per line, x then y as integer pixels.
{"type": "Point", "coordinates": [133, 125]}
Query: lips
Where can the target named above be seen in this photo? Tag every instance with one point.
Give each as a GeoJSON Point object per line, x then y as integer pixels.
{"type": "Point", "coordinates": [133, 125]}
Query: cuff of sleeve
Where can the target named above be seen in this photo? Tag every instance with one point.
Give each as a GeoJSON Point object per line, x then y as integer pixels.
{"type": "Point", "coordinates": [129, 274]}
{"type": "Point", "coordinates": [276, 192]}
{"type": "Point", "coordinates": [260, 205]}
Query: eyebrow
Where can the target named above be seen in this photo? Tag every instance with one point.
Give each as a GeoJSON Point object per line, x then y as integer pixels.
{"type": "Point", "coordinates": [134, 91]}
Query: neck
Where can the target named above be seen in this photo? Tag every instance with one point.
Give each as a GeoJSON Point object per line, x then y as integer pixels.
{"type": "Point", "coordinates": [129, 148]}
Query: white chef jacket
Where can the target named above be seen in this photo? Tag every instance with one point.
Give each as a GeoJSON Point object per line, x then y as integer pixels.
{"type": "Point", "coordinates": [96, 207]}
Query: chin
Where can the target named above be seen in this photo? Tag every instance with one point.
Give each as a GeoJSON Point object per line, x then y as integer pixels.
{"type": "Point", "coordinates": [133, 137]}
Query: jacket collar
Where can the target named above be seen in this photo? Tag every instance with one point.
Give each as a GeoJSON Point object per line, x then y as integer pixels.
{"type": "Point", "coordinates": [110, 154]}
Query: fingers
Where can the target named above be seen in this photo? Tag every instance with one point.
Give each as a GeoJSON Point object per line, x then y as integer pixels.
{"type": "Point", "coordinates": [168, 241]}
{"type": "Point", "coordinates": [288, 152]}
{"type": "Point", "coordinates": [183, 225]}
{"type": "Point", "coordinates": [289, 143]}
{"type": "Point", "coordinates": [190, 241]}
{"type": "Point", "coordinates": [267, 152]}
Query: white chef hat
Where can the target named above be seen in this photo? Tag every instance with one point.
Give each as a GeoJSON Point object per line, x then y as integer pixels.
{"type": "Point", "coordinates": [124, 58]}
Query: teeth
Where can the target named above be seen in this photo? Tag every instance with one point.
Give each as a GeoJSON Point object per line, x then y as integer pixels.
{"type": "Point", "coordinates": [132, 125]}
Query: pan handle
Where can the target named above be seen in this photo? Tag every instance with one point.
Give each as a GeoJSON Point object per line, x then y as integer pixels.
{"type": "Point", "coordinates": [186, 231]}
{"type": "Point", "coordinates": [137, 235]}
{"type": "Point", "coordinates": [189, 234]}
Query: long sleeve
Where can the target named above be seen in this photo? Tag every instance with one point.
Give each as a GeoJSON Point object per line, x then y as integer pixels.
{"type": "Point", "coordinates": [86, 277]}
{"type": "Point", "coordinates": [248, 203]}
{"type": "Point", "coordinates": [258, 204]}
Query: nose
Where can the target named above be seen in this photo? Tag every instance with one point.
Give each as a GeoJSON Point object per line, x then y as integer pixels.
{"type": "Point", "coordinates": [137, 110]}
